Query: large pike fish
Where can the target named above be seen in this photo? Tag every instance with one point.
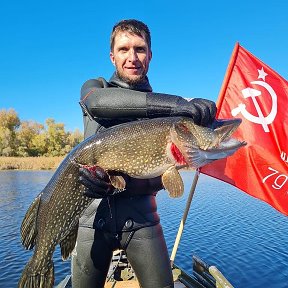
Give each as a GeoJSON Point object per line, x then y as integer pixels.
{"type": "Point", "coordinates": [141, 149]}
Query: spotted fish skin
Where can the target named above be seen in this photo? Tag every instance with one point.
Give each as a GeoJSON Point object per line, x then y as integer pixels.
{"type": "Point", "coordinates": [141, 149]}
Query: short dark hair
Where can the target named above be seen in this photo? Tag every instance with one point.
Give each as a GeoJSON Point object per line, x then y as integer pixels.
{"type": "Point", "coordinates": [132, 26]}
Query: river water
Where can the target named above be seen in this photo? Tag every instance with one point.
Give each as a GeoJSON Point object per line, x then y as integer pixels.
{"type": "Point", "coordinates": [244, 237]}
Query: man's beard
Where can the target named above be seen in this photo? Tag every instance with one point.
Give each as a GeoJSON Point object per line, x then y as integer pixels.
{"type": "Point", "coordinates": [131, 82]}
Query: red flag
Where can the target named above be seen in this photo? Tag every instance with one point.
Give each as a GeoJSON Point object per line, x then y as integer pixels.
{"type": "Point", "coordinates": [258, 95]}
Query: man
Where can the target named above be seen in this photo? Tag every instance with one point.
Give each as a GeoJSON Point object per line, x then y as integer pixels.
{"type": "Point", "coordinates": [127, 220]}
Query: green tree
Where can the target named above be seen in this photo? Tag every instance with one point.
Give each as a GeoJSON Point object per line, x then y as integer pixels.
{"type": "Point", "coordinates": [29, 138]}
{"type": "Point", "coordinates": [40, 144]}
{"type": "Point", "coordinates": [25, 135]}
{"type": "Point", "coordinates": [9, 122]}
{"type": "Point", "coordinates": [74, 138]}
{"type": "Point", "coordinates": [57, 138]}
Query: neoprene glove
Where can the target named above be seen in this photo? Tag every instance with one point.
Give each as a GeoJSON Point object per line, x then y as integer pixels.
{"type": "Point", "coordinates": [202, 111]}
{"type": "Point", "coordinates": [98, 184]}
{"type": "Point", "coordinates": [96, 181]}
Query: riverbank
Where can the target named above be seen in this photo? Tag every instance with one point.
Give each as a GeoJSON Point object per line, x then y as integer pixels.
{"type": "Point", "coordinates": [29, 163]}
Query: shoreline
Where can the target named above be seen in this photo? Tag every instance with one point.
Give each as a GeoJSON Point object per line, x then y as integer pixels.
{"type": "Point", "coordinates": [30, 163]}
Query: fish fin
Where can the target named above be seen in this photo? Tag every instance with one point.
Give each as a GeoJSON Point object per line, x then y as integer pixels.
{"type": "Point", "coordinates": [68, 243]}
{"type": "Point", "coordinates": [28, 227]}
{"type": "Point", "coordinates": [118, 181]}
{"type": "Point", "coordinates": [173, 182]}
{"type": "Point", "coordinates": [33, 278]}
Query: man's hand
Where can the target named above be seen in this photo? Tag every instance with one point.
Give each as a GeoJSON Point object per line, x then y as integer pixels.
{"type": "Point", "coordinates": [202, 111]}
{"type": "Point", "coordinates": [97, 181]}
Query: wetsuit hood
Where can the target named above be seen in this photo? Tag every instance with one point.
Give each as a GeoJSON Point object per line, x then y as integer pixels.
{"type": "Point", "coordinates": [143, 86]}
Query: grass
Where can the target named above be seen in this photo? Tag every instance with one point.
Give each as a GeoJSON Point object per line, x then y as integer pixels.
{"type": "Point", "coordinates": [29, 163]}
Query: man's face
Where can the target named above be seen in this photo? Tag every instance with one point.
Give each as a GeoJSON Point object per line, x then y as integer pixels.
{"type": "Point", "coordinates": [131, 57]}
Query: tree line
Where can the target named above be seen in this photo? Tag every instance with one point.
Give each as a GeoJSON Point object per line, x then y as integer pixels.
{"type": "Point", "coordinates": [29, 138]}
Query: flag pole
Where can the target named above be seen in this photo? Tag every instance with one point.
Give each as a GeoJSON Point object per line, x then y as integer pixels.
{"type": "Point", "coordinates": [185, 214]}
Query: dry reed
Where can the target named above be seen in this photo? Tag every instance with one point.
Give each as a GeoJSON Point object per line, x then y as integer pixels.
{"type": "Point", "coordinates": [29, 163]}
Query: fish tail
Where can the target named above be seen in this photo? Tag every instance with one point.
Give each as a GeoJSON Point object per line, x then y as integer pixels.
{"type": "Point", "coordinates": [34, 278]}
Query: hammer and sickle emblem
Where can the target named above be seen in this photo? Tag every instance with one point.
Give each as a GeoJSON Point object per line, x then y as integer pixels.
{"type": "Point", "coordinates": [253, 93]}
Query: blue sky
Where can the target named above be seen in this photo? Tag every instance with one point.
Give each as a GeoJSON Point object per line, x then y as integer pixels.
{"type": "Point", "coordinates": [49, 48]}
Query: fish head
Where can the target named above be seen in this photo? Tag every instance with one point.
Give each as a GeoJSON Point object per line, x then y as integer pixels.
{"type": "Point", "coordinates": [201, 145]}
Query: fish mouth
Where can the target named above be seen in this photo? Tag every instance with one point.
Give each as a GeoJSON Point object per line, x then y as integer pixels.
{"type": "Point", "coordinates": [197, 157]}
{"type": "Point", "coordinates": [225, 149]}
{"type": "Point", "coordinates": [225, 122]}
{"type": "Point", "coordinates": [228, 144]}
{"type": "Point", "coordinates": [225, 127]}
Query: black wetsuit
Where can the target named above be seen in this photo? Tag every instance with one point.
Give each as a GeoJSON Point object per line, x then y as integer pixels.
{"type": "Point", "coordinates": [128, 220]}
